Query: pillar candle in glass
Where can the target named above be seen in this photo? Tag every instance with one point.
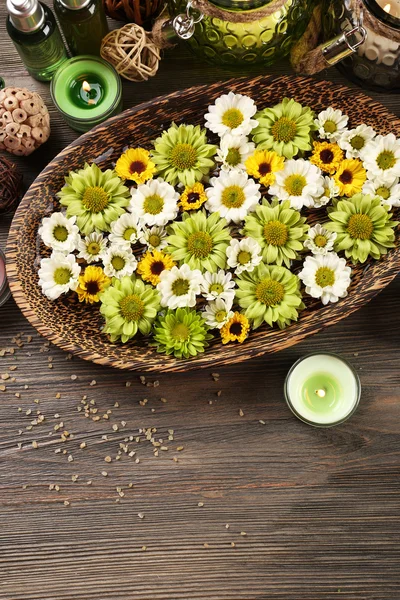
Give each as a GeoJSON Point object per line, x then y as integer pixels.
{"type": "Point", "coordinates": [4, 289]}
{"type": "Point", "coordinates": [322, 390]}
{"type": "Point", "coordinates": [86, 90]}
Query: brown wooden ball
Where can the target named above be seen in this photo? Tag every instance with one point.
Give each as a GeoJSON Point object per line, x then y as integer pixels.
{"type": "Point", "coordinates": [140, 12]}
{"type": "Point", "coordinates": [10, 185]}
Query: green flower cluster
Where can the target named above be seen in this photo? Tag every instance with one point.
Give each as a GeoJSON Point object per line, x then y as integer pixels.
{"type": "Point", "coordinates": [181, 332]}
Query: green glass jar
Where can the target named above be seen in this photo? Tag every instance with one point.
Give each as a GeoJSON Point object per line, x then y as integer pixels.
{"type": "Point", "coordinates": [258, 42]}
{"type": "Point", "coordinates": [83, 23]}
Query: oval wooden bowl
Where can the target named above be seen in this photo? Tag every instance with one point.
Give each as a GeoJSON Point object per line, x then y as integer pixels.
{"type": "Point", "coordinates": [77, 328]}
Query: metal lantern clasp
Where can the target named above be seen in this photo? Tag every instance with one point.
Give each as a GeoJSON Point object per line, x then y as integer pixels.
{"type": "Point", "coordinates": [185, 23]}
{"type": "Point", "coordinates": [344, 44]}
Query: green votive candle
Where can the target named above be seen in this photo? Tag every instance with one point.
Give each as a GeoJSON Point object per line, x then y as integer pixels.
{"type": "Point", "coordinates": [322, 390]}
{"type": "Point", "coordinates": [86, 90]}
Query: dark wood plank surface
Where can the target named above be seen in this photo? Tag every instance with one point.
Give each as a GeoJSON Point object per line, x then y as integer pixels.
{"type": "Point", "coordinates": [320, 508]}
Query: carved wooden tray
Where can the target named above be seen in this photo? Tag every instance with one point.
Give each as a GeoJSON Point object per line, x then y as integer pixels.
{"type": "Point", "coordinates": [77, 328]}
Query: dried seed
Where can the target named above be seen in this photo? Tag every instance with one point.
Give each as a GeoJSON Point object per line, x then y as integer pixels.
{"type": "Point", "coordinates": [35, 444]}
{"type": "Point", "coordinates": [70, 458]}
{"type": "Point", "coordinates": [200, 504]}
{"type": "Point", "coordinates": [83, 445]}
{"type": "Point", "coordinates": [241, 413]}
{"type": "Point", "coordinates": [180, 448]}
{"type": "Point", "coordinates": [115, 427]}
{"type": "Point", "coordinates": [104, 473]}
{"type": "Point", "coordinates": [243, 533]}
{"type": "Point", "coordinates": [66, 503]}
{"type": "Point", "coordinates": [74, 377]}
{"type": "Point", "coordinates": [93, 382]}
{"type": "Point", "coordinates": [262, 422]}
{"type": "Point", "coordinates": [141, 515]}
{"type": "Point", "coordinates": [108, 459]}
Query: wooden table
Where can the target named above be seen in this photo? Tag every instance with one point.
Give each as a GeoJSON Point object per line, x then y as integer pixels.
{"type": "Point", "coordinates": [246, 503]}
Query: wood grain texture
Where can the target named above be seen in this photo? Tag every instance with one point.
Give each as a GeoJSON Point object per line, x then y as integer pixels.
{"type": "Point", "coordinates": [320, 507]}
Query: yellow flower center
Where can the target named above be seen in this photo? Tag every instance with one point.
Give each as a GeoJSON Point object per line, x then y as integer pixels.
{"type": "Point", "coordinates": [233, 196]}
{"type": "Point", "coordinates": [270, 292]}
{"type": "Point", "coordinates": [360, 227]}
{"type": "Point", "coordinates": [62, 275]}
{"type": "Point", "coordinates": [180, 287]}
{"type": "Point", "coordinates": [200, 244]}
{"type": "Point", "coordinates": [386, 160]}
{"type": "Point", "coordinates": [357, 142]}
{"type": "Point", "coordinates": [324, 276]}
{"type": "Point", "coordinates": [330, 126]}
{"type": "Point", "coordinates": [275, 233]}
{"type": "Point", "coordinates": [284, 130]}
{"type": "Point", "coordinates": [216, 288]}
{"type": "Point", "coordinates": [95, 199]}
{"type": "Point", "coordinates": [93, 248]}
{"type": "Point", "coordinates": [294, 184]}
{"type": "Point", "coordinates": [232, 118]}
{"type": "Point", "coordinates": [233, 157]}
{"type": "Point", "coordinates": [243, 257]}
{"type": "Point", "coordinates": [154, 240]}
{"type": "Point", "coordinates": [180, 332]}
{"type": "Point", "coordinates": [132, 307]}
{"type": "Point", "coordinates": [60, 233]}
{"type": "Point", "coordinates": [320, 241]}
{"type": "Point", "coordinates": [153, 205]}
{"type": "Point", "coordinates": [129, 231]}
{"type": "Point", "coordinates": [383, 192]}
{"type": "Point", "coordinates": [220, 316]}
{"type": "Point", "coordinates": [118, 262]}
{"type": "Point", "coordinates": [183, 156]}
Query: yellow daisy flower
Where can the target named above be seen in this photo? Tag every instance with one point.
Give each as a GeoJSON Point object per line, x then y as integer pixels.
{"type": "Point", "coordinates": [91, 284]}
{"type": "Point", "coordinates": [350, 177]}
{"type": "Point", "coordinates": [153, 264]}
{"type": "Point", "coordinates": [135, 165]}
{"type": "Point", "coordinates": [236, 329]}
{"type": "Point", "coordinates": [192, 197]}
{"type": "Point", "coordinates": [327, 156]}
{"type": "Point", "coordinates": [263, 165]}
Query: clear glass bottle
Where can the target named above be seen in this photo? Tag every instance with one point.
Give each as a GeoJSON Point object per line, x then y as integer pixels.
{"type": "Point", "coordinates": [83, 23]}
{"type": "Point", "coordinates": [33, 29]}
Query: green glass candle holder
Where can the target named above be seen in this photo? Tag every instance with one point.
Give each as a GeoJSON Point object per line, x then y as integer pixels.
{"type": "Point", "coordinates": [86, 90]}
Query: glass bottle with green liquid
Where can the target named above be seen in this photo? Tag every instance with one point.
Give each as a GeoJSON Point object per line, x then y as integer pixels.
{"type": "Point", "coordinates": [83, 23]}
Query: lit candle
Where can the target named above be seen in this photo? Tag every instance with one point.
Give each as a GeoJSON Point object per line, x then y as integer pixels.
{"type": "Point", "coordinates": [86, 90]}
{"type": "Point", "coordinates": [392, 7]}
{"type": "Point", "coordinates": [4, 289]}
{"type": "Point", "coordinates": [322, 390]}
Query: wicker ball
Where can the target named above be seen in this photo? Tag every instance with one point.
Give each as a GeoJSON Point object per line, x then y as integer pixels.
{"type": "Point", "coordinates": [10, 185]}
{"type": "Point", "coordinates": [140, 12]}
{"type": "Point", "coordinates": [24, 121]}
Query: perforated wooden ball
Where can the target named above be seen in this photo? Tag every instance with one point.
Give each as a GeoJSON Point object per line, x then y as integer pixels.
{"type": "Point", "coordinates": [10, 185]}
{"type": "Point", "coordinates": [140, 12]}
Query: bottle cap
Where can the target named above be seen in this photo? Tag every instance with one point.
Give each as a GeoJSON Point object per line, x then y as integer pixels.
{"type": "Point", "coordinates": [74, 4]}
{"type": "Point", "coordinates": [26, 15]}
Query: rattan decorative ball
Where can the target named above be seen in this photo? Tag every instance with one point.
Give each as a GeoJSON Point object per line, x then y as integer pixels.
{"type": "Point", "coordinates": [140, 12]}
{"type": "Point", "coordinates": [10, 185]}
{"type": "Point", "coordinates": [24, 121]}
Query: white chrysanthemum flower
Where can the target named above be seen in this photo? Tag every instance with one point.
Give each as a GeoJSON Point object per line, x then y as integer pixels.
{"type": "Point", "coordinates": [58, 274]}
{"type": "Point", "coordinates": [119, 261]}
{"type": "Point", "coordinates": [154, 202]}
{"type": "Point", "coordinates": [320, 240]}
{"type": "Point", "coordinates": [233, 152]}
{"type": "Point", "coordinates": [331, 124]}
{"type": "Point", "coordinates": [299, 181]}
{"type": "Point", "coordinates": [125, 230]}
{"type": "Point", "coordinates": [179, 286]}
{"type": "Point", "coordinates": [331, 190]}
{"type": "Point", "coordinates": [382, 157]}
{"type": "Point", "coordinates": [354, 141]}
{"type": "Point", "coordinates": [231, 113]}
{"type": "Point", "coordinates": [92, 247]}
{"type": "Point", "coordinates": [155, 238]}
{"type": "Point", "coordinates": [387, 188]}
{"type": "Point", "coordinates": [217, 313]}
{"type": "Point", "coordinates": [243, 255]}
{"type": "Point", "coordinates": [59, 233]}
{"type": "Point", "coordinates": [233, 195]}
{"type": "Point", "coordinates": [326, 277]}
{"type": "Point", "coordinates": [218, 285]}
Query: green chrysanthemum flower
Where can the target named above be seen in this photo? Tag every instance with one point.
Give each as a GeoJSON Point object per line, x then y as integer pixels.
{"type": "Point", "coordinates": [200, 241]}
{"type": "Point", "coordinates": [181, 332]}
{"type": "Point", "coordinates": [95, 197]}
{"type": "Point", "coordinates": [284, 128]}
{"type": "Point", "coordinates": [364, 227]}
{"type": "Point", "coordinates": [182, 154]}
{"type": "Point", "coordinates": [278, 229]}
{"type": "Point", "coordinates": [129, 305]}
{"type": "Point", "coordinates": [271, 294]}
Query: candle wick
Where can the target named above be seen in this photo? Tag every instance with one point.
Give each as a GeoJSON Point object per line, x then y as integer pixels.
{"type": "Point", "coordinates": [321, 393]}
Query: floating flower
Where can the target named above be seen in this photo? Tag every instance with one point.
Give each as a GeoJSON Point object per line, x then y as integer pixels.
{"type": "Point", "coordinates": [284, 128]}
{"type": "Point", "coordinates": [58, 274]}
{"type": "Point", "coordinates": [217, 313]}
{"type": "Point", "coordinates": [119, 261]}
{"type": "Point", "coordinates": [271, 294]}
{"type": "Point", "coordinates": [200, 241]}
{"type": "Point", "coordinates": [218, 285]}
{"type": "Point", "coordinates": [182, 154]}
{"type": "Point", "coordinates": [155, 238]}
{"type": "Point", "coordinates": [135, 164]}
{"type": "Point", "coordinates": [236, 329]}
{"type": "Point", "coordinates": [300, 182]}
{"type": "Point", "coordinates": [91, 284]}
{"type": "Point", "coordinates": [382, 156]}
{"type": "Point", "coordinates": [155, 202]}
{"type": "Point", "coordinates": [320, 240]}
{"type": "Point", "coordinates": [231, 113]}
{"type": "Point", "coordinates": [125, 230]}
{"type": "Point", "coordinates": [364, 227]}
{"type": "Point", "coordinates": [354, 141]}
{"type": "Point", "coordinates": [387, 189]}
{"type": "Point", "coordinates": [326, 277]}
{"type": "Point", "coordinates": [326, 156]}
{"type": "Point", "coordinates": [59, 233]}
{"type": "Point", "coordinates": [263, 165]}
{"type": "Point", "coordinates": [129, 306]}
{"type": "Point", "coordinates": [243, 255]}
{"type": "Point", "coordinates": [95, 197]}
{"type": "Point", "coordinates": [279, 230]}
{"type": "Point", "coordinates": [179, 286]}
{"type": "Point", "coordinates": [193, 197]}
{"type": "Point", "coordinates": [233, 152]}
{"type": "Point", "coordinates": [233, 195]}
{"type": "Point", "coordinates": [92, 247]}
{"type": "Point", "coordinates": [182, 333]}
{"type": "Point", "coordinates": [331, 124]}
{"type": "Point", "coordinates": [350, 177]}
{"type": "Point", "coordinates": [331, 190]}
{"type": "Point", "coordinates": [153, 264]}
